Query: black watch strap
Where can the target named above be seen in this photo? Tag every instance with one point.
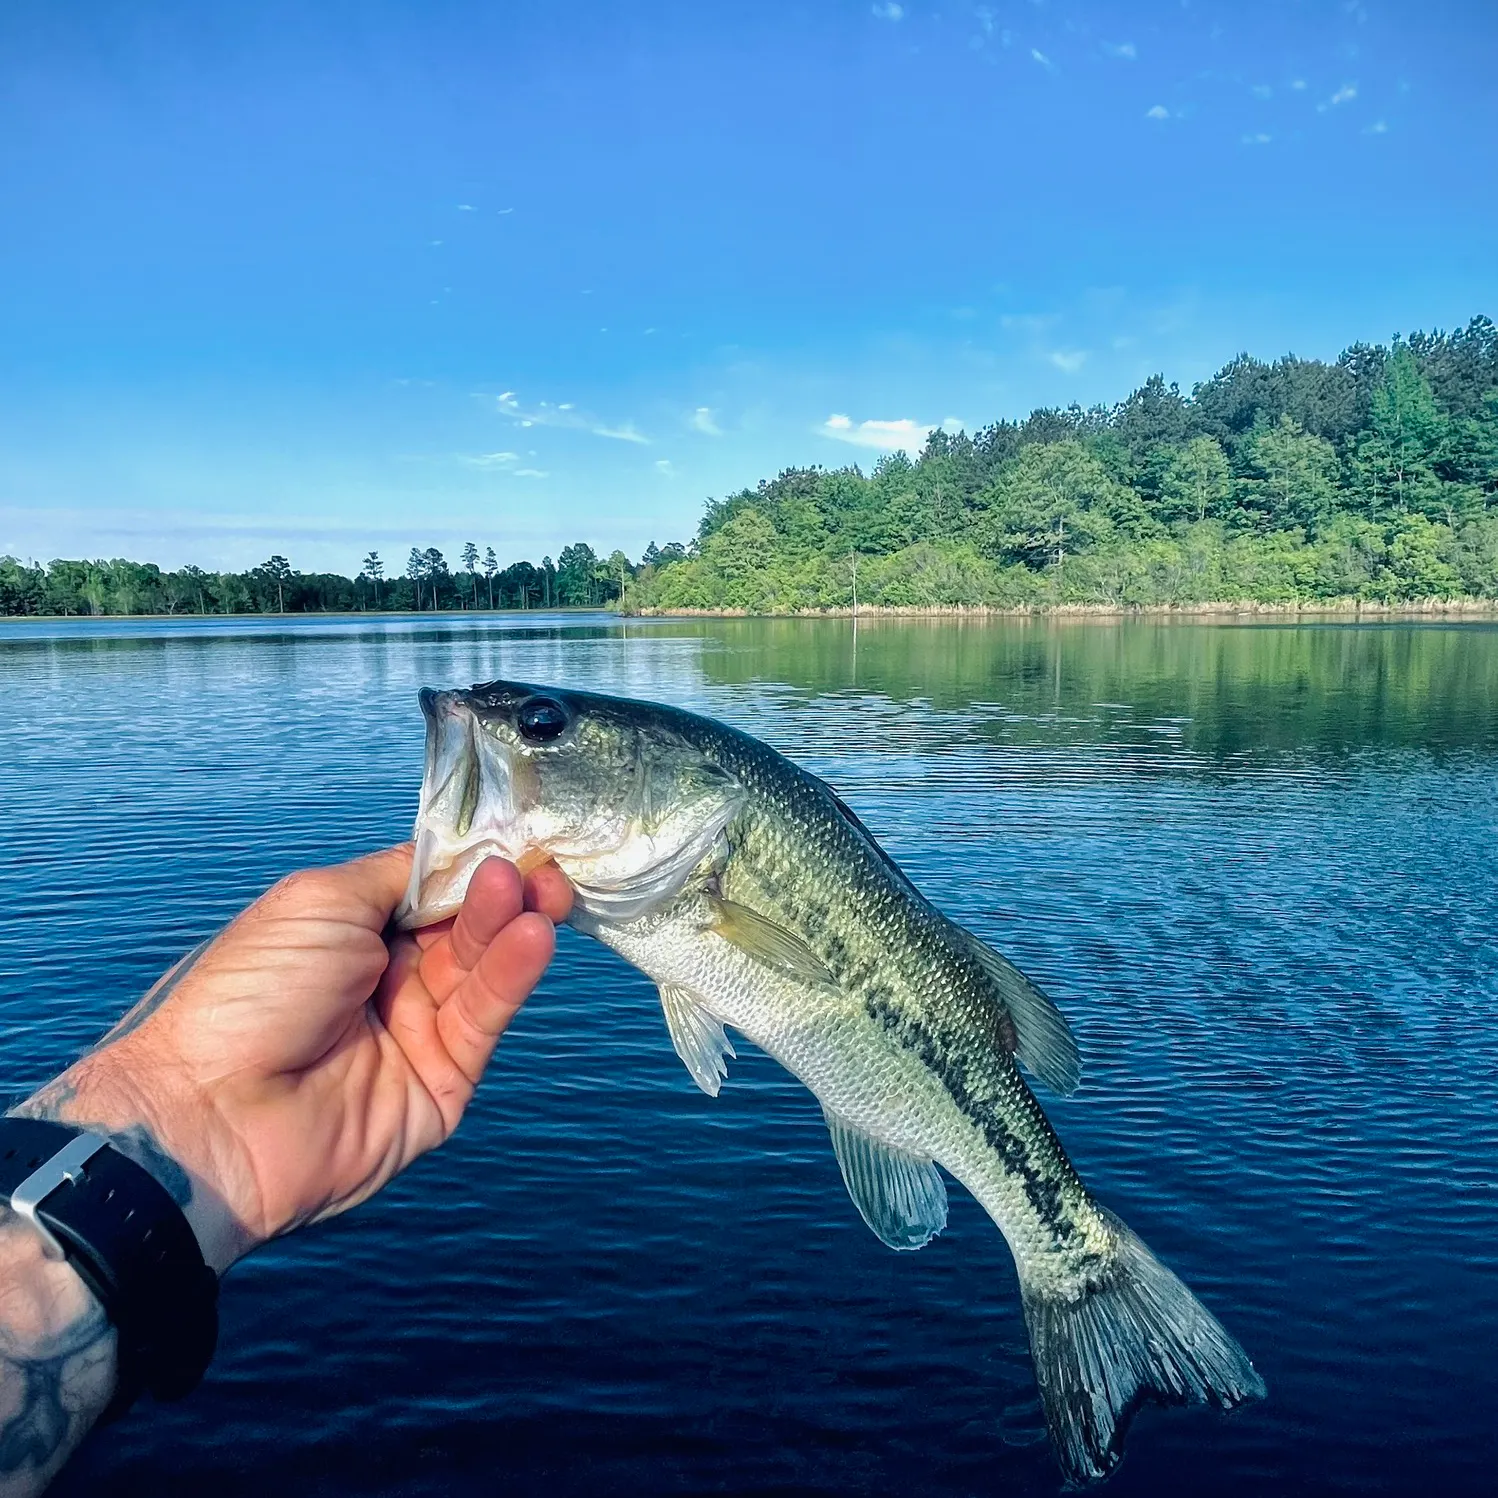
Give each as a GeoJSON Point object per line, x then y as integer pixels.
{"type": "Point", "coordinates": [120, 1229]}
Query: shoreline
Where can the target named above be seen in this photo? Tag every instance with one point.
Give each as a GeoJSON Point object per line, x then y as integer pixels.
{"type": "Point", "coordinates": [1322, 608]}
{"type": "Point", "coordinates": [1319, 608]}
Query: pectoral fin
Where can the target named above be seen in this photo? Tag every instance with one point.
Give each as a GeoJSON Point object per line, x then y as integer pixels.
{"type": "Point", "coordinates": [769, 943]}
{"type": "Point", "coordinates": [1046, 1047]}
{"type": "Point", "coordinates": [899, 1195]}
{"type": "Point", "coordinates": [697, 1036]}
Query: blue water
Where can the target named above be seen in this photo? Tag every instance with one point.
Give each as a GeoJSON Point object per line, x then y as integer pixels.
{"type": "Point", "coordinates": [1255, 864]}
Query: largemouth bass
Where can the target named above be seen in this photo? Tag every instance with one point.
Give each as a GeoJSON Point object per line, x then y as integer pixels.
{"type": "Point", "coordinates": [756, 900]}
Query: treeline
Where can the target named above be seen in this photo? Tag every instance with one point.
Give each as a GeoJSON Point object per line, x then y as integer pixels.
{"type": "Point", "coordinates": [1373, 477]}
{"type": "Point", "coordinates": [578, 578]}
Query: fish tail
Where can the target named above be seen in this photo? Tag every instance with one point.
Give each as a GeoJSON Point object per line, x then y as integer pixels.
{"type": "Point", "coordinates": [1137, 1334]}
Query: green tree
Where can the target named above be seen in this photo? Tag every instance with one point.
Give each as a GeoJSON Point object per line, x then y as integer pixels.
{"type": "Point", "coordinates": [470, 566]}
{"type": "Point", "coordinates": [491, 566]}
{"type": "Point", "coordinates": [1407, 436]}
{"type": "Point", "coordinates": [278, 570]}
{"type": "Point", "coordinates": [576, 577]}
{"type": "Point", "coordinates": [374, 570]}
{"type": "Point", "coordinates": [1196, 481]}
{"type": "Point", "coordinates": [434, 569]}
{"type": "Point", "coordinates": [416, 566]}
{"type": "Point", "coordinates": [1050, 503]}
{"type": "Point", "coordinates": [1290, 477]}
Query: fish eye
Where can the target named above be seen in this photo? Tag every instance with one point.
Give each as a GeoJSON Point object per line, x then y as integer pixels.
{"type": "Point", "coordinates": [540, 719]}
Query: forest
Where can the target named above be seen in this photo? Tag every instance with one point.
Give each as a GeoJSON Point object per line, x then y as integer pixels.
{"type": "Point", "coordinates": [1374, 477]}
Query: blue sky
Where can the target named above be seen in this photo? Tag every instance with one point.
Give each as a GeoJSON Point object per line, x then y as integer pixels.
{"type": "Point", "coordinates": [319, 277]}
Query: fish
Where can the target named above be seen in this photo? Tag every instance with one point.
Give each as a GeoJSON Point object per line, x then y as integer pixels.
{"type": "Point", "coordinates": [757, 902]}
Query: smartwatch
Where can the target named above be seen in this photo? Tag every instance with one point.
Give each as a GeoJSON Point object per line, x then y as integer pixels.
{"type": "Point", "coordinates": [130, 1244]}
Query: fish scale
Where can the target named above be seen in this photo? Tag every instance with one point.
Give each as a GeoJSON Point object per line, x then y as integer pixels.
{"type": "Point", "coordinates": [755, 899]}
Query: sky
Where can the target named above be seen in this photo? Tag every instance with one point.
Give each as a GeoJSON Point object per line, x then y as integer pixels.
{"type": "Point", "coordinates": [320, 278]}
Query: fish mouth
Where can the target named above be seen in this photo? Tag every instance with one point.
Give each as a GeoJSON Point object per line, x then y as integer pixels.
{"type": "Point", "coordinates": [467, 811]}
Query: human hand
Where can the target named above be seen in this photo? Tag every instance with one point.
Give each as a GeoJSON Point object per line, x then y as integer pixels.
{"type": "Point", "coordinates": [295, 1064]}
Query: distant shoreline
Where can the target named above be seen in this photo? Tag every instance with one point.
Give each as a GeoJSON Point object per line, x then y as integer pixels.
{"type": "Point", "coordinates": [1326, 608]}
{"type": "Point", "coordinates": [1336, 608]}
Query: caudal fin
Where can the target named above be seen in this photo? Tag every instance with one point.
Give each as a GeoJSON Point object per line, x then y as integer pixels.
{"type": "Point", "coordinates": [1139, 1335]}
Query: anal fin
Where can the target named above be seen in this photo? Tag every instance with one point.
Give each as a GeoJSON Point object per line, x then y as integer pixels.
{"type": "Point", "coordinates": [698, 1037]}
{"type": "Point", "coordinates": [899, 1195]}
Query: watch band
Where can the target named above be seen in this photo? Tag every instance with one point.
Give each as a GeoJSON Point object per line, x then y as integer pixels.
{"type": "Point", "coordinates": [130, 1244]}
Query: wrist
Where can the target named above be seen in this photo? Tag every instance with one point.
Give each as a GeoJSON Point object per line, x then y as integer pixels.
{"type": "Point", "coordinates": [57, 1359]}
{"type": "Point", "coordinates": [161, 1135]}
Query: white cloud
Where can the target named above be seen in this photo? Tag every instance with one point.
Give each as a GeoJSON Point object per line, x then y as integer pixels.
{"type": "Point", "coordinates": [1344, 95]}
{"type": "Point", "coordinates": [1298, 84]}
{"type": "Point", "coordinates": [490, 460]}
{"type": "Point", "coordinates": [504, 210]}
{"type": "Point", "coordinates": [1042, 59]}
{"type": "Point", "coordinates": [466, 208]}
{"type": "Point", "coordinates": [1126, 50]}
{"type": "Point", "coordinates": [888, 11]}
{"type": "Point", "coordinates": [1157, 112]}
{"type": "Point", "coordinates": [1258, 138]}
{"type": "Point", "coordinates": [1069, 361]}
{"type": "Point", "coordinates": [1262, 91]}
{"type": "Point", "coordinates": [885, 436]}
{"type": "Point", "coordinates": [704, 420]}
{"type": "Point", "coordinates": [1378, 127]}
{"type": "Point", "coordinates": [568, 416]}
{"type": "Point", "coordinates": [530, 473]}
{"type": "Point", "coordinates": [663, 465]}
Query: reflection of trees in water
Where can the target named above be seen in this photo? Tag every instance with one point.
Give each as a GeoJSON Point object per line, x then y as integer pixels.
{"type": "Point", "coordinates": [1239, 687]}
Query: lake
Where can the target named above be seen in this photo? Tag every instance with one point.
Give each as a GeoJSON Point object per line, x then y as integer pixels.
{"type": "Point", "coordinates": [1256, 864]}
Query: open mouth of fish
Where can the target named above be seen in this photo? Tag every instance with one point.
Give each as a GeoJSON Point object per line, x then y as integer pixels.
{"type": "Point", "coordinates": [468, 813]}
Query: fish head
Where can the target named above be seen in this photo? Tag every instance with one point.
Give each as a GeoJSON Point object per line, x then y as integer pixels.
{"type": "Point", "coordinates": [614, 792]}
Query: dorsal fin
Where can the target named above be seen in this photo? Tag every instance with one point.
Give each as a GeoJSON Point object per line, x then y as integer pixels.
{"type": "Point", "coordinates": [1045, 1045]}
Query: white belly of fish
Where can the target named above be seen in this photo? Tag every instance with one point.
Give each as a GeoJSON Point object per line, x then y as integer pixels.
{"type": "Point", "coordinates": [888, 1115]}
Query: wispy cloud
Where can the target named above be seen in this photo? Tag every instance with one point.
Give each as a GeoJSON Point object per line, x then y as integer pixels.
{"type": "Point", "coordinates": [1262, 90]}
{"type": "Point", "coordinates": [489, 460]}
{"type": "Point", "coordinates": [1344, 95]}
{"type": "Point", "coordinates": [664, 465]}
{"type": "Point", "coordinates": [466, 208]}
{"type": "Point", "coordinates": [888, 11]}
{"type": "Point", "coordinates": [1127, 51]}
{"type": "Point", "coordinates": [705, 420]}
{"type": "Point", "coordinates": [568, 417]}
{"type": "Point", "coordinates": [1298, 84]}
{"type": "Point", "coordinates": [1069, 361]}
{"type": "Point", "coordinates": [884, 436]}
{"type": "Point", "coordinates": [1378, 127]}
{"type": "Point", "coordinates": [1157, 112]}
{"type": "Point", "coordinates": [1042, 59]}
{"type": "Point", "coordinates": [531, 473]}
{"type": "Point", "coordinates": [1258, 138]}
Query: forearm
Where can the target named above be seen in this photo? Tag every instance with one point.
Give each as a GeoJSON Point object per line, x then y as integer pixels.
{"type": "Point", "coordinates": [57, 1360]}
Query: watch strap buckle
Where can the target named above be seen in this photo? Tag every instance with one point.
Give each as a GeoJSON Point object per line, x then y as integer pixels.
{"type": "Point", "coordinates": [64, 1168]}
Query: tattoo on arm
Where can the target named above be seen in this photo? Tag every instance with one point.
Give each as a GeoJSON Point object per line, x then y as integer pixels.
{"type": "Point", "coordinates": [57, 1360]}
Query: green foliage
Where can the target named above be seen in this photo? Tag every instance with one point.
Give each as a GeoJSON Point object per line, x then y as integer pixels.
{"type": "Point", "coordinates": [1375, 478]}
